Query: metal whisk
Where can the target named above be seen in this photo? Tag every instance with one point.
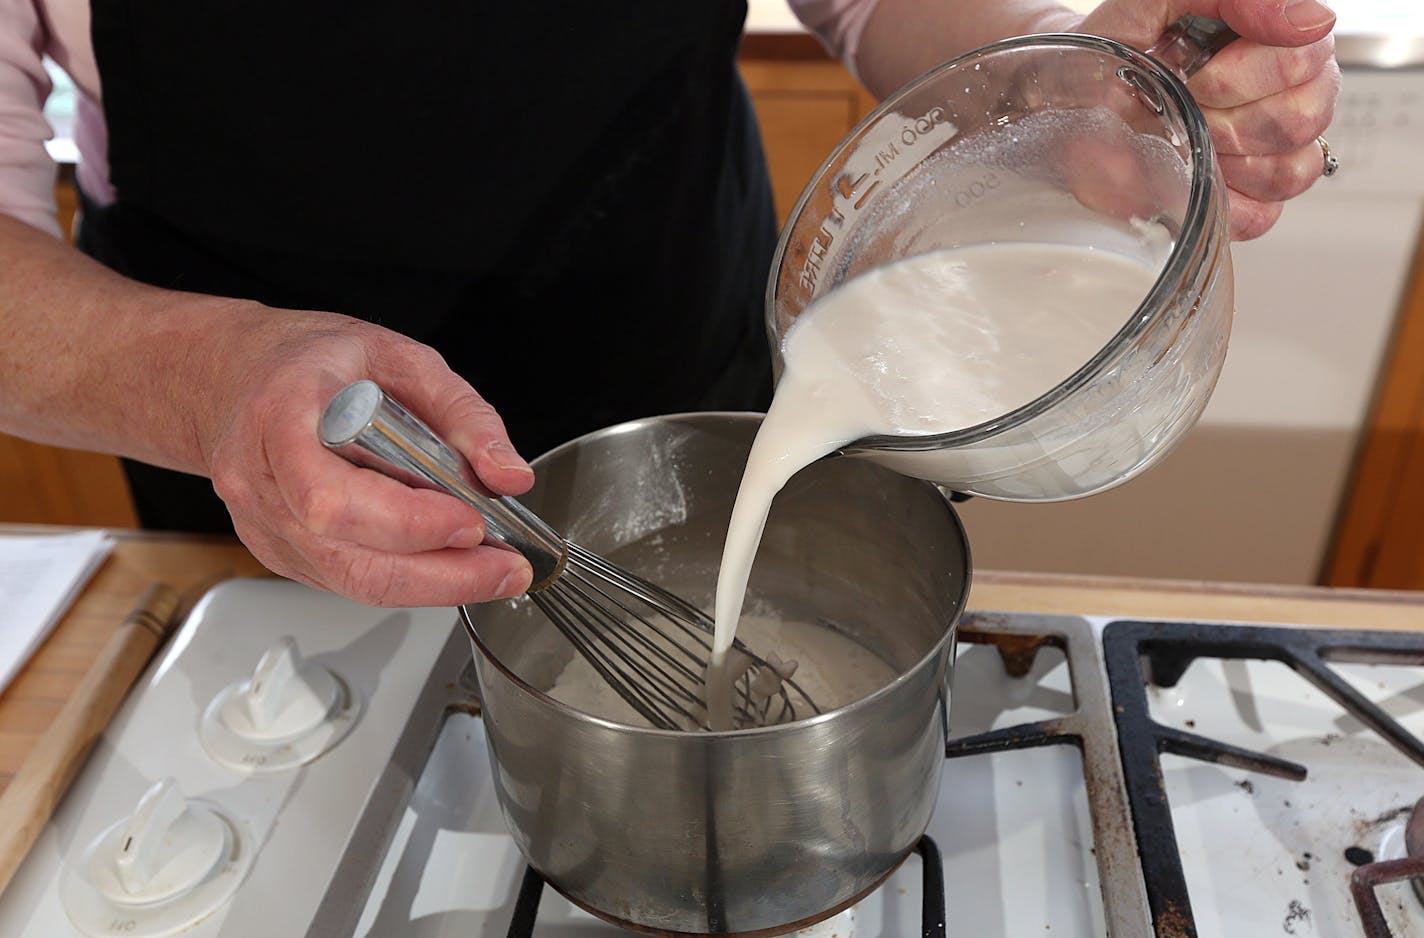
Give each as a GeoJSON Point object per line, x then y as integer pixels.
{"type": "Point", "coordinates": [650, 646]}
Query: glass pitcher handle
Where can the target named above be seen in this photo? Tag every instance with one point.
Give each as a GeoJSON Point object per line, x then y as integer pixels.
{"type": "Point", "coordinates": [1189, 43]}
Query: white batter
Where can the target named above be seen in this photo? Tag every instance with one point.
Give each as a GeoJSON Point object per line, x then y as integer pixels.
{"type": "Point", "coordinates": [832, 669]}
{"type": "Point", "coordinates": [933, 343]}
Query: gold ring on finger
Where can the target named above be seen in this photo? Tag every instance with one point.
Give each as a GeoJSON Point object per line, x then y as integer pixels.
{"type": "Point", "coordinates": [1329, 163]}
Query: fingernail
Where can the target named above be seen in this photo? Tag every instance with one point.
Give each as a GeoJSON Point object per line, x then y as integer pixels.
{"type": "Point", "coordinates": [505, 457]}
{"type": "Point", "coordinates": [465, 538]}
{"type": "Point", "coordinates": [515, 583]}
{"type": "Point", "coordinates": [1308, 14]}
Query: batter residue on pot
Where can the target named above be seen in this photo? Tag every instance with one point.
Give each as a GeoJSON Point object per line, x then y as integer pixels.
{"type": "Point", "coordinates": [833, 670]}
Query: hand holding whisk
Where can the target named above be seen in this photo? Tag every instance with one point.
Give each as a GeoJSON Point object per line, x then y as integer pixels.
{"type": "Point", "coordinates": [649, 645]}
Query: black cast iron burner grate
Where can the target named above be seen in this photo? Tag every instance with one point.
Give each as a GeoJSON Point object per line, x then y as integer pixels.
{"type": "Point", "coordinates": [1166, 652]}
{"type": "Point", "coordinates": [1110, 725]}
{"type": "Point", "coordinates": [531, 890]}
{"type": "Point", "coordinates": [1121, 743]}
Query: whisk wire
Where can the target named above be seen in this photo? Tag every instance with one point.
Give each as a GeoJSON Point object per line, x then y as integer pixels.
{"type": "Point", "coordinates": [651, 646]}
{"type": "Point", "coordinates": [651, 668]}
{"type": "Point", "coordinates": [661, 650]}
{"type": "Point", "coordinates": [574, 627]}
{"type": "Point", "coordinates": [639, 634]}
{"type": "Point", "coordinates": [666, 670]}
{"type": "Point", "coordinates": [700, 632]}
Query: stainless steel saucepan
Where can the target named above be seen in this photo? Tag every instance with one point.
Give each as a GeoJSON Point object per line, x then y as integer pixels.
{"type": "Point", "coordinates": [750, 831]}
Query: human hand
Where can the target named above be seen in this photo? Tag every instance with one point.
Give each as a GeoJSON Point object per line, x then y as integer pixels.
{"type": "Point", "coordinates": [1266, 97]}
{"type": "Point", "coordinates": [308, 514]}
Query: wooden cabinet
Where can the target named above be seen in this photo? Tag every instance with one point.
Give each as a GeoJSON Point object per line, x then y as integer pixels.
{"type": "Point", "coordinates": [47, 485]}
{"type": "Point", "coordinates": [804, 107]}
{"type": "Point", "coordinates": [1380, 536]}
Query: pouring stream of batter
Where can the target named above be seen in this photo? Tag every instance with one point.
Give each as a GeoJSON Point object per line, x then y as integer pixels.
{"type": "Point", "coordinates": [932, 343]}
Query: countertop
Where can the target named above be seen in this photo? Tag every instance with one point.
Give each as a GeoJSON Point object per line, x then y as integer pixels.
{"type": "Point", "coordinates": [189, 563]}
{"type": "Point", "coordinates": [33, 699]}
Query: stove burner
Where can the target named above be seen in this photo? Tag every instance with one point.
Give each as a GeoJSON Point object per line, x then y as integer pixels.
{"type": "Point", "coordinates": [1411, 867]}
{"type": "Point", "coordinates": [1110, 667]}
{"type": "Point", "coordinates": [1362, 887]}
{"type": "Point", "coordinates": [1414, 843]}
{"type": "Point", "coordinates": [1167, 649]}
{"type": "Point", "coordinates": [531, 890]}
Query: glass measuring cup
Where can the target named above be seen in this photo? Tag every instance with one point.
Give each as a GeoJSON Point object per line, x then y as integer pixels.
{"type": "Point", "coordinates": [1050, 139]}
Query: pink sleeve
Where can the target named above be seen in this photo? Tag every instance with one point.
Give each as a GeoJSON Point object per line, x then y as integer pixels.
{"type": "Point", "coordinates": [837, 23]}
{"type": "Point", "coordinates": [27, 173]}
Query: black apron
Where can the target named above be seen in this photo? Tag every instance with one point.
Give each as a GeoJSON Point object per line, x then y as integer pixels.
{"type": "Point", "coordinates": [567, 199]}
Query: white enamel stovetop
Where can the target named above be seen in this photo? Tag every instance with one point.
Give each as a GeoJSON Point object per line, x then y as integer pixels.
{"type": "Point", "coordinates": [1262, 856]}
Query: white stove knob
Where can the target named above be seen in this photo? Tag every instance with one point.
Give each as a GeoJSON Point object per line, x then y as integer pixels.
{"type": "Point", "coordinates": [159, 871]}
{"type": "Point", "coordinates": [284, 715]}
{"type": "Point", "coordinates": [165, 848]}
{"type": "Point", "coordinates": [285, 698]}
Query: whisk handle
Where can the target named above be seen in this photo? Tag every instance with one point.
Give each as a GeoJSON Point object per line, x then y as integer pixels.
{"type": "Point", "coordinates": [372, 429]}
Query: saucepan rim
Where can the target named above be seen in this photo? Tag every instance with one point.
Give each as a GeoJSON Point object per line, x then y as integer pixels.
{"type": "Point", "coordinates": [468, 618]}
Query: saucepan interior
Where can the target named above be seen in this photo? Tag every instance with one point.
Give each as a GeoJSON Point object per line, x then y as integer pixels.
{"type": "Point", "coordinates": [752, 830]}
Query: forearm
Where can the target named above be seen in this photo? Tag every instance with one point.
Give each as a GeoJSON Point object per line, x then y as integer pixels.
{"type": "Point", "coordinates": [94, 360]}
{"type": "Point", "coordinates": [905, 38]}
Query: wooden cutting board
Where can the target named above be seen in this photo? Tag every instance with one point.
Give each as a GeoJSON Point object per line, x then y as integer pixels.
{"type": "Point", "coordinates": [30, 704]}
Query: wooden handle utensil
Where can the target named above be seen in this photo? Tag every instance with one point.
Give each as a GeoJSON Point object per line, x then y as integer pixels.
{"type": "Point", "coordinates": [30, 798]}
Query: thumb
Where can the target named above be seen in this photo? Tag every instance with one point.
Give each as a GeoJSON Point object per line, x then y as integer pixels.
{"type": "Point", "coordinates": [1268, 22]}
{"type": "Point", "coordinates": [1271, 22]}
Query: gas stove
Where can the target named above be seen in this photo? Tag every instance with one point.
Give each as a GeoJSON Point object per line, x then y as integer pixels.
{"type": "Point", "coordinates": [296, 764]}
